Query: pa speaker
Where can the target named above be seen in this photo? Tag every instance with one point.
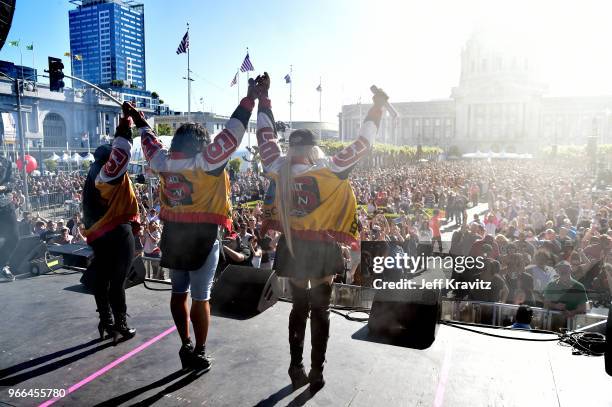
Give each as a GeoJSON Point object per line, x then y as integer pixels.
{"type": "Point", "coordinates": [245, 290]}
{"type": "Point", "coordinates": [135, 276]}
{"type": "Point", "coordinates": [28, 248]}
{"type": "Point", "coordinates": [137, 273]}
{"type": "Point", "coordinates": [405, 317]}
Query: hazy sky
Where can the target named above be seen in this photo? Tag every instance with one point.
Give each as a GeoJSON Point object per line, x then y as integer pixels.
{"type": "Point", "coordinates": [409, 48]}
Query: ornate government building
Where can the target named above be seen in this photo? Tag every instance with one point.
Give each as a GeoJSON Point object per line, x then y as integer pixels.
{"type": "Point", "coordinates": [497, 106]}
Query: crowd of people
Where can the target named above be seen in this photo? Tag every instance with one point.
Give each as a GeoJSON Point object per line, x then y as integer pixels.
{"type": "Point", "coordinates": [532, 220]}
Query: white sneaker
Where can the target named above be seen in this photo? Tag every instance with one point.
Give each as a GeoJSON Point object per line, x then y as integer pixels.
{"type": "Point", "coordinates": [6, 273]}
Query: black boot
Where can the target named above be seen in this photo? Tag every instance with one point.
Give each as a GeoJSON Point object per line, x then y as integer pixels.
{"type": "Point", "coordinates": [320, 297]}
{"type": "Point", "coordinates": [121, 328]}
{"type": "Point", "coordinates": [106, 324]}
{"type": "Point", "coordinates": [297, 331]}
{"type": "Point", "coordinates": [186, 354]}
{"type": "Point", "coordinates": [199, 361]}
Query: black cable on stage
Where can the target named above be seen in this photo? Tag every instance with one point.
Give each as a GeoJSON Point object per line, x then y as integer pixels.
{"type": "Point", "coordinates": [585, 343]}
{"type": "Point", "coordinates": [155, 289]}
{"type": "Point", "coordinates": [501, 336]}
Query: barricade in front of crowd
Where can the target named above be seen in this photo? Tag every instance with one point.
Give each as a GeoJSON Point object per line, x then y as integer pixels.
{"type": "Point", "coordinates": [55, 205]}
{"type": "Point", "coordinates": [489, 313]}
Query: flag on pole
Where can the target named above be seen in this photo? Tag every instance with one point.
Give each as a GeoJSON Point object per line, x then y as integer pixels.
{"type": "Point", "coordinates": [67, 54]}
{"type": "Point", "coordinates": [246, 64]}
{"type": "Point", "coordinates": [235, 80]}
{"type": "Point", "coordinates": [14, 43]}
{"type": "Point", "coordinates": [30, 47]}
{"type": "Point", "coordinates": [319, 89]}
{"type": "Point", "coordinates": [184, 45]}
{"type": "Point", "coordinates": [287, 78]}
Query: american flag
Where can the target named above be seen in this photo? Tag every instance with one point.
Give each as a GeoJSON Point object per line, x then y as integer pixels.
{"type": "Point", "coordinates": [246, 64]}
{"type": "Point", "coordinates": [184, 45]}
{"type": "Point", "coordinates": [235, 80]}
{"type": "Point", "coordinates": [287, 78]}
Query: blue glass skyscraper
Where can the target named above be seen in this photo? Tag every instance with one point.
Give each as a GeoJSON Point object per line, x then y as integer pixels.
{"type": "Point", "coordinates": [107, 42]}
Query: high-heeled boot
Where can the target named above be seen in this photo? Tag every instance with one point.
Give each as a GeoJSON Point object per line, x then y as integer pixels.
{"type": "Point", "coordinates": [106, 323]}
{"type": "Point", "coordinates": [320, 297]}
{"type": "Point", "coordinates": [297, 331]}
{"type": "Point", "coordinates": [121, 328]}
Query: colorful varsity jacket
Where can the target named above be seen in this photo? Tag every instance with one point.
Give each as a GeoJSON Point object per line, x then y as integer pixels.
{"type": "Point", "coordinates": [115, 192]}
{"type": "Point", "coordinates": [197, 189]}
{"type": "Point", "coordinates": [324, 205]}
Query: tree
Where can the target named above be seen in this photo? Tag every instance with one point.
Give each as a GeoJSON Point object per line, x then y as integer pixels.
{"type": "Point", "coordinates": [154, 95]}
{"type": "Point", "coordinates": [50, 165]}
{"type": "Point", "coordinates": [164, 129]}
{"type": "Point", "coordinates": [234, 164]}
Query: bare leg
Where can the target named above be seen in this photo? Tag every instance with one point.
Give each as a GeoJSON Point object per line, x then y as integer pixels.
{"type": "Point", "coordinates": [200, 318]}
{"type": "Point", "coordinates": [180, 314]}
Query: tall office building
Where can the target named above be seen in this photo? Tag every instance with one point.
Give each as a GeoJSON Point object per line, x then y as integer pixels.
{"type": "Point", "coordinates": [107, 42]}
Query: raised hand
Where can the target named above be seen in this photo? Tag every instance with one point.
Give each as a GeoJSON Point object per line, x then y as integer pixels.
{"type": "Point", "coordinates": [262, 85]}
{"type": "Point", "coordinates": [137, 117]}
{"type": "Point", "coordinates": [380, 98]}
{"type": "Point", "coordinates": [251, 91]}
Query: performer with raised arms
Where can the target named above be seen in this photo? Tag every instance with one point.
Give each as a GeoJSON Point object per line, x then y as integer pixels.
{"type": "Point", "coordinates": [195, 199]}
{"type": "Point", "coordinates": [110, 210]}
{"type": "Point", "coordinates": [310, 200]}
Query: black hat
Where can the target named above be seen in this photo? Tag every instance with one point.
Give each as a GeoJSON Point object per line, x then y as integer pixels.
{"type": "Point", "coordinates": [102, 153]}
{"type": "Point", "coordinates": [302, 137]}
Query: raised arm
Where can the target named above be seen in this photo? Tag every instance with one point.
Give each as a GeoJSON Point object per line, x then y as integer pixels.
{"type": "Point", "coordinates": [345, 159]}
{"type": "Point", "coordinates": [217, 154]}
{"type": "Point", "coordinates": [214, 157]}
{"type": "Point", "coordinates": [267, 140]}
{"type": "Point", "coordinates": [121, 153]}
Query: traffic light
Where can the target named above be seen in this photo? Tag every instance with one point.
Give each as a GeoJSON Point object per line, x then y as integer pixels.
{"type": "Point", "coordinates": [56, 76]}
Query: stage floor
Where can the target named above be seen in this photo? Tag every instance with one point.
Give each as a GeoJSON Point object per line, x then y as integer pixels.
{"type": "Point", "coordinates": [49, 340]}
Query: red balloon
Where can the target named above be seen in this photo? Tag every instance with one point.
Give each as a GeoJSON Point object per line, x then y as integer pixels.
{"type": "Point", "coordinates": [31, 163]}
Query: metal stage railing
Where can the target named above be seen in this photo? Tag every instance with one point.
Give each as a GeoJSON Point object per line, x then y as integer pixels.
{"type": "Point", "coordinates": [490, 313]}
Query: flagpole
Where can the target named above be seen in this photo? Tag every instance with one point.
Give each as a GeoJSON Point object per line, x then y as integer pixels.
{"type": "Point", "coordinates": [188, 82]}
{"type": "Point", "coordinates": [320, 100]}
{"type": "Point", "coordinates": [290, 94]}
{"type": "Point", "coordinates": [33, 65]}
{"type": "Point", "coordinates": [238, 83]}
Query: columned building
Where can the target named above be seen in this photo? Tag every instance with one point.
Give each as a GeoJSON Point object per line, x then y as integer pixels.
{"type": "Point", "coordinates": [498, 105]}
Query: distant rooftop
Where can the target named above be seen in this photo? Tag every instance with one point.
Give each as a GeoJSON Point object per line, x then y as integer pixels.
{"type": "Point", "coordinates": [87, 3]}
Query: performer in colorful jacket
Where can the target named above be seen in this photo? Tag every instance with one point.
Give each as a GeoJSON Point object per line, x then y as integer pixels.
{"type": "Point", "coordinates": [310, 200]}
{"type": "Point", "coordinates": [110, 210]}
{"type": "Point", "coordinates": [195, 200]}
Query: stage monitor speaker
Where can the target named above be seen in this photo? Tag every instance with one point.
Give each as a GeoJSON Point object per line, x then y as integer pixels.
{"type": "Point", "coordinates": [406, 317]}
{"type": "Point", "coordinates": [28, 248]}
{"type": "Point", "coordinates": [137, 273]}
{"type": "Point", "coordinates": [245, 290]}
{"type": "Point", "coordinates": [74, 255]}
{"type": "Point", "coordinates": [135, 276]}
{"type": "Point", "coordinates": [7, 9]}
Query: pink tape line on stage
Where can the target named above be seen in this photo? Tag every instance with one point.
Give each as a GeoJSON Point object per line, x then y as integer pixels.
{"type": "Point", "coordinates": [111, 365]}
{"type": "Point", "coordinates": [439, 400]}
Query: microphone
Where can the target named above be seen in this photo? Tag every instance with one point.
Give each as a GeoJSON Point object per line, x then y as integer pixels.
{"type": "Point", "coordinates": [388, 105]}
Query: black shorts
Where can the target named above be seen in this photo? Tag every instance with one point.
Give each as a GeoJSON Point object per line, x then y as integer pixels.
{"type": "Point", "coordinates": [311, 259]}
